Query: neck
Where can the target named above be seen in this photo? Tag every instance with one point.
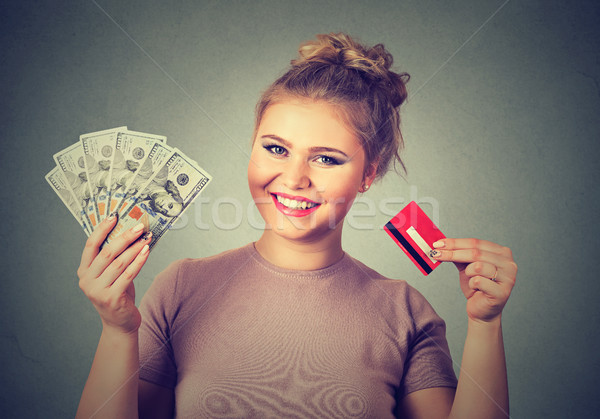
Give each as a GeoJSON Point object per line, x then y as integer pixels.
{"type": "Point", "coordinates": [305, 255]}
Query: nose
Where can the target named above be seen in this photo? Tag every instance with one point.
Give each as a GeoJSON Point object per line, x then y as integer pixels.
{"type": "Point", "coordinates": [296, 175]}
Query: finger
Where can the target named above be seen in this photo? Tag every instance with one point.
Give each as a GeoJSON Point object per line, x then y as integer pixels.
{"type": "Point", "coordinates": [120, 264]}
{"type": "Point", "coordinates": [468, 256]}
{"type": "Point", "coordinates": [472, 243]}
{"type": "Point", "coordinates": [485, 285]}
{"type": "Point", "coordinates": [112, 250]}
{"type": "Point", "coordinates": [485, 269]}
{"type": "Point", "coordinates": [95, 240]}
{"type": "Point", "coordinates": [128, 275]}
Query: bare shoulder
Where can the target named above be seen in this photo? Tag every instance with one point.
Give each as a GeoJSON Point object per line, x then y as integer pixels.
{"type": "Point", "coordinates": [154, 401]}
{"type": "Point", "coordinates": [435, 402]}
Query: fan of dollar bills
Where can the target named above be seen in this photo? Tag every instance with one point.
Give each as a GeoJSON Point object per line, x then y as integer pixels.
{"type": "Point", "coordinates": [134, 174]}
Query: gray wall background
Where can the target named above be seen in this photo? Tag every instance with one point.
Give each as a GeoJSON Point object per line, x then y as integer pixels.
{"type": "Point", "coordinates": [501, 136]}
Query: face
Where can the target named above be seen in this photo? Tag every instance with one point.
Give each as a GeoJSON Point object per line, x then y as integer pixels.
{"type": "Point", "coordinates": [166, 204]}
{"type": "Point", "coordinates": [305, 170]}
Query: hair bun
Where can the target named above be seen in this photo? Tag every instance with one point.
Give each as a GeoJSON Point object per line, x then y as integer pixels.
{"type": "Point", "coordinates": [373, 63]}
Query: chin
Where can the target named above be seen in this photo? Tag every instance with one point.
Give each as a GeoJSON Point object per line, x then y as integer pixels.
{"type": "Point", "coordinates": [307, 229]}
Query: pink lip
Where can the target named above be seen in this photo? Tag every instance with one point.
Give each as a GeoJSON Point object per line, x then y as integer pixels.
{"type": "Point", "coordinates": [293, 212]}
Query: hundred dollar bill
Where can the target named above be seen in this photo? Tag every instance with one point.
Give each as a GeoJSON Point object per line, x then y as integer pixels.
{"type": "Point", "coordinates": [131, 159]}
{"type": "Point", "coordinates": [98, 151]}
{"type": "Point", "coordinates": [164, 197]}
{"type": "Point", "coordinates": [59, 184]}
{"type": "Point", "coordinates": [71, 162]}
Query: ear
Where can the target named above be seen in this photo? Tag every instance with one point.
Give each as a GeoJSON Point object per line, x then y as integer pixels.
{"type": "Point", "coordinates": [368, 177]}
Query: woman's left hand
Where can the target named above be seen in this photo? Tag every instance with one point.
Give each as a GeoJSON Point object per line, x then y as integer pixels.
{"type": "Point", "coordinates": [487, 274]}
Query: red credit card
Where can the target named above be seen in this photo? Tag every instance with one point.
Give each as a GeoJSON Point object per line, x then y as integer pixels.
{"type": "Point", "coordinates": [415, 233]}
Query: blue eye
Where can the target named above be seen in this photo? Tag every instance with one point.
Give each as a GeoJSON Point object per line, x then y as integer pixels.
{"type": "Point", "coordinates": [275, 149]}
{"type": "Point", "coordinates": [328, 161]}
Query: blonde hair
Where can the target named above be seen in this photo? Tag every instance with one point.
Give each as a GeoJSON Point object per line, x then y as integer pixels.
{"type": "Point", "coordinates": [358, 81]}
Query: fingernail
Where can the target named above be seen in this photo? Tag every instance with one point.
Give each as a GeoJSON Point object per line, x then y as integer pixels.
{"type": "Point", "coordinates": [145, 250]}
{"type": "Point", "coordinates": [439, 243]}
{"type": "Point", "coordinates": [435, 253]}
{"type": "Point", "coordinates": [138, 228]}
{"type": "Point", "coordinates": [146, 236]}
{"type": "Point", "coordinates": [112, 216]}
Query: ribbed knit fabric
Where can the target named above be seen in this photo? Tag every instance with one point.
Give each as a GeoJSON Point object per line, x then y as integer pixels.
{"type": "Point", "coordinates": [236, 336]}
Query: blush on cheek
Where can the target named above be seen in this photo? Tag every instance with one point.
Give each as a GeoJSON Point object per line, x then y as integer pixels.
{"type": "Point", "coordinates": [340, 202]}
{"type": "Point", "coordinates": [258, 183]}
{"type": "Point", "coordinates": [255, 175]}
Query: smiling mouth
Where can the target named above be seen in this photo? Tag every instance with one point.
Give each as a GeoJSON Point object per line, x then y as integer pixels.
{"type": "Point", "coordinates": [295, 203]}
{"type": "Point", "coordinates": [295, 206]}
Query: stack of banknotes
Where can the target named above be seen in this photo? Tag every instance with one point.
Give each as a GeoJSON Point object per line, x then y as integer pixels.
{"type": "Point", "coordinates": [133, 174]}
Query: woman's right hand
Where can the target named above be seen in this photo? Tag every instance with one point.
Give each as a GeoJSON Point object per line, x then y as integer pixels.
{"type": "Point", "coordinates": [106, 276]}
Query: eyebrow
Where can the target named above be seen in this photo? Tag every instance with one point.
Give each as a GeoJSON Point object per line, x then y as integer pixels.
{"type": "Point", "coordinates": [312, 149]}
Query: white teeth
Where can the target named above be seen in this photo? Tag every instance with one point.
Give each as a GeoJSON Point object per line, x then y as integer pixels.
{"type": "Point", "coordinates": [293, 204]}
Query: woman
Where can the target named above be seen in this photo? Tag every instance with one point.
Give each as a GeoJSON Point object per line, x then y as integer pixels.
{"type": "Point", "coordinates": [291, 326]}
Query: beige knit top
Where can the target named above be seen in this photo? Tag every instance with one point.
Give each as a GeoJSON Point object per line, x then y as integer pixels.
{"type": "Point", "coordinates": [236, 336]}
